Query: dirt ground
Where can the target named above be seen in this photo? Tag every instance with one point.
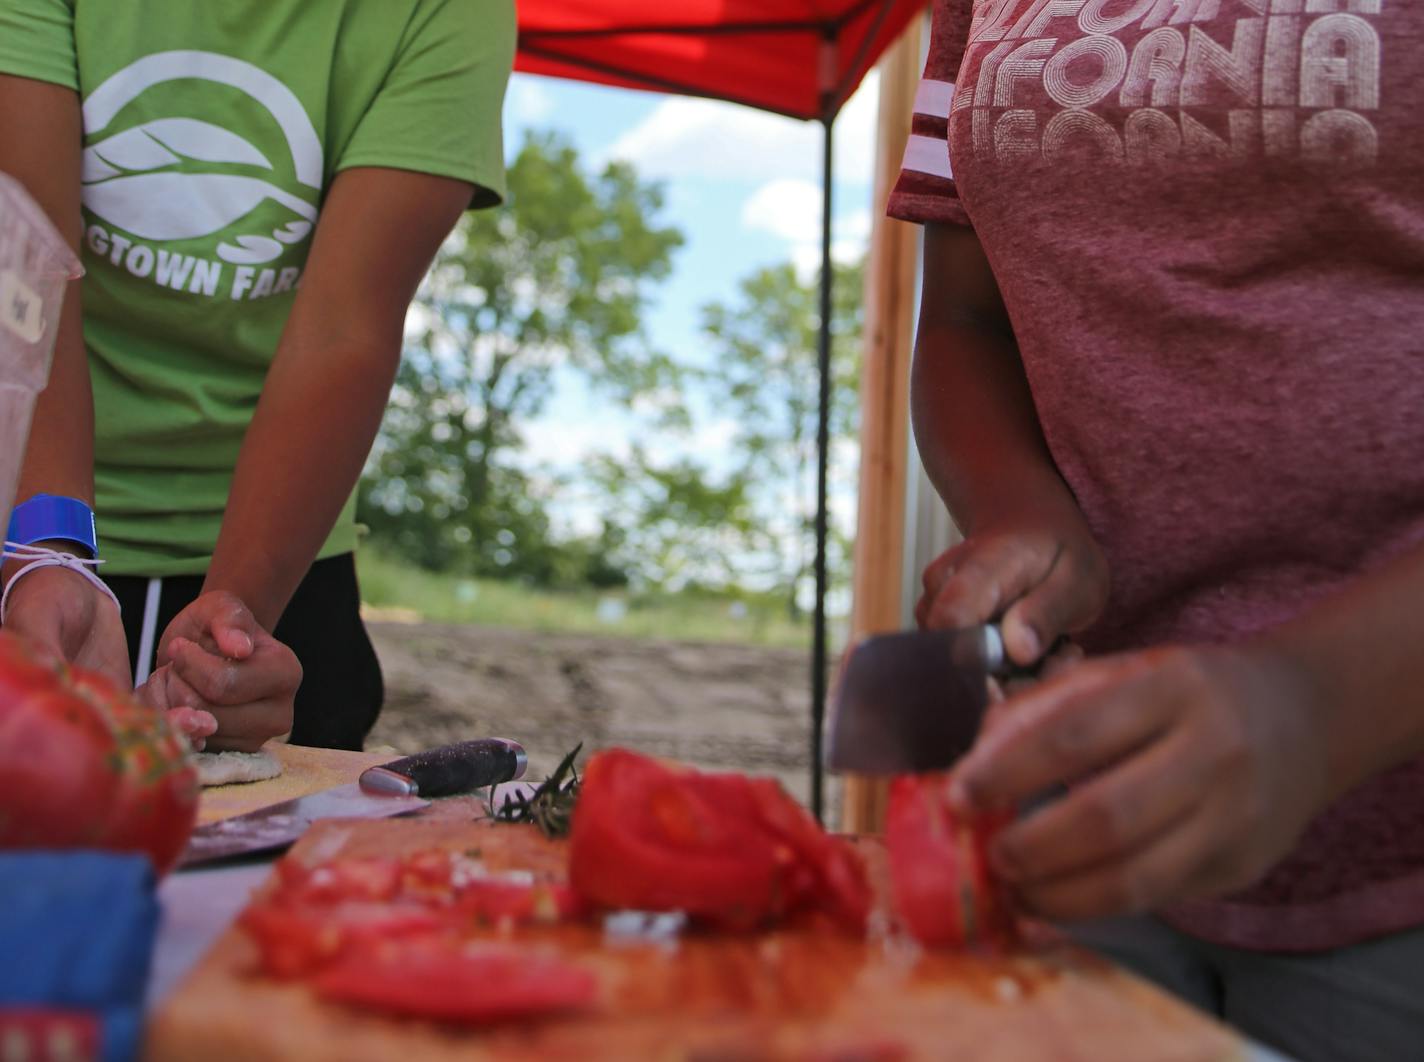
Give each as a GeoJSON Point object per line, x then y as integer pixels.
{"type": "Point", "coordinates": [726, 707]}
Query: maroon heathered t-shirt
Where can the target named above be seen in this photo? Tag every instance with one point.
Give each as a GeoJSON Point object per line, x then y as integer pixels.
{"type": "Point", "coordinates": [1207, 221]}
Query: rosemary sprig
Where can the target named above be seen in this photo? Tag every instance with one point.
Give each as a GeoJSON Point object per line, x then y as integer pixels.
{"type": "Point", "coordinates": [550, 806]}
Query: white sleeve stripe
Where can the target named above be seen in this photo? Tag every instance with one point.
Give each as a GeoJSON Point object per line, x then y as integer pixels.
{"type": "Point", "coordinates": [932, 98]}
{"type": "Point", "coordinates": [927, 154]}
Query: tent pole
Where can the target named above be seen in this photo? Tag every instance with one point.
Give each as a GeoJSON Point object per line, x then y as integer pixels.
{"type": "Point", "coordinates": [879, 577]}
{"type": "Point", "coordinates": [823, 446]}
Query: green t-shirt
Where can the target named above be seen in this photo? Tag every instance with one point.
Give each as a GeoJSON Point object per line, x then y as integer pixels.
{"type": "Point", "coordinates": [212, 129]}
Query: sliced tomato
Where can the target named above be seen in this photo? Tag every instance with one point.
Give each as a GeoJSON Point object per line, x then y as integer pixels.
{"type": "Point", "coordinates": [428, 873]}
{"type": "Point", "coordinates": [457, 984]}
{"type": "Point", "coordinates": [291, 941]}
{"type": "Point", "coordinates": [340, 880]}
{"type": "Point", "coordinates": [297, 939]}
{"type": "Point", "coordinates": [316, 913]}
{"type": "Point", "coordinates": [944, 889]}
{"type": "Point", "coordinates": [728, 850]}
{"type": "Point", "coordinates": [884, 1050]}
{"type": "Point", "coordinates": [833, 878]}
{"type": "Point", "coordinates": [650, 837]}
{"type": "Point", "coordinates": [493, 901]}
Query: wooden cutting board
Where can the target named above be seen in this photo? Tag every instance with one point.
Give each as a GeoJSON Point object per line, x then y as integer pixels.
{"type": "Point", "coordinates": [304, 771]}
{"type": "Point", "coordinates": [798, 995]}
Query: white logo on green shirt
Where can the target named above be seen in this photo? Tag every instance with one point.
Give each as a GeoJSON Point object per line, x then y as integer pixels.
{"type": "Point", "coordinates": [175, 179]}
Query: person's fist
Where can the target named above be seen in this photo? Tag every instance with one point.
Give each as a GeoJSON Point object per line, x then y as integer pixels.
{"type": "Point", "coordinates": [215, 656]}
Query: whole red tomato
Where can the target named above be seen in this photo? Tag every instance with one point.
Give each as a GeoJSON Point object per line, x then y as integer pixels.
{"type": "Point", "coordinates": [84, 765]}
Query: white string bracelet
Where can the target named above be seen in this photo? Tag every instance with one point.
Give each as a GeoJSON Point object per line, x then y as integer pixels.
{"type": "Point", "coordinates": [43, 557]}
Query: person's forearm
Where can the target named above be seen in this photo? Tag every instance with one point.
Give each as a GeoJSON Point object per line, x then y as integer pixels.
{"type": "Point", "coordinates": [323, 398]}
{"type": "Point", "coordinates": [40, 137]}
{"type": "Point", "coordinates": [973, 414]}
{"type": "Point", "coordinates": [60, 456]}
{"type": "Point", "coordinates": [975, 429]}
{"type": "Point", "coordinates": [301, 458]}
{"type": "Point", "coordinates": [1361, 670]}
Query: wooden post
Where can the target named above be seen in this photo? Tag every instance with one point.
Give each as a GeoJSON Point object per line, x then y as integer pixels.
{"type": "Point", "coordinates": [885, 394]}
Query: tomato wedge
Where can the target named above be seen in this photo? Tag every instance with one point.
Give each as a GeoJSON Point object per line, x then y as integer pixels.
{"type": "Point", "coordinates": [944, 889]}
{"type": "Point", "coordinates": [728, 850]}
{"type": "Point", "coordinates": [295, 940]}
{"type": "Point", "coordinates": [472, 985]}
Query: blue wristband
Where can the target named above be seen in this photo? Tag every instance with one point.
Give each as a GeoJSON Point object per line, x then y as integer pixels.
{"type": "Point", "coordinates": [51, 516]}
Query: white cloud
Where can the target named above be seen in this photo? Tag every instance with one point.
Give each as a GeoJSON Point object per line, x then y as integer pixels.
{"type": "Point", "coordinates": [790, 208]}
{"type": "Point", "coordinates": [529, 101]}
{"type": "Point", "coordinates": [685, 137]}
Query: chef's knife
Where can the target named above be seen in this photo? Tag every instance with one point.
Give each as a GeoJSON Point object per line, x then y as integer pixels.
{"type": "Point", "coordinates": [393, 788]}
{"type": "Point", "coordinates": [913, 700]}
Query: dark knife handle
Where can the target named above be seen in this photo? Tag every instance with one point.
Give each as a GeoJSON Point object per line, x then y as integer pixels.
{"type": "Point", "coordinates": [451, 769]}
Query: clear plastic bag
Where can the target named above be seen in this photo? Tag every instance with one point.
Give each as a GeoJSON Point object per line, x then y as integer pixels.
{"type": "Point", "coordinates": [35, 265]}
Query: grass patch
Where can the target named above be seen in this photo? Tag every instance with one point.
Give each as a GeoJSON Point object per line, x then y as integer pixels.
{"type": "Point", "coordinates": [397, 589]}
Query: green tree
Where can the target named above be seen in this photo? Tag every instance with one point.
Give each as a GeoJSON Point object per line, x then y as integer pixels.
{"type": "Point", "coordinates": [671, 524]}
{"type": "Point", "coordinates": [765, 375]}
{"type": "Point", "coordinates": [556, 281]}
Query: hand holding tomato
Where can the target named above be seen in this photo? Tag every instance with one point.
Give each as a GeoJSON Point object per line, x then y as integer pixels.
{"type": "Point", "coordinates": [1192, 772]}
{"type": "Point", "coordinates": [84, 765]}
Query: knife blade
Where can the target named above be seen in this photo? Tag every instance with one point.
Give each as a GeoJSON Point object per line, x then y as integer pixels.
{"type": "Point", "coordinates": [394, 788]}
{"type": "Point", "coordinates": [913, 700]}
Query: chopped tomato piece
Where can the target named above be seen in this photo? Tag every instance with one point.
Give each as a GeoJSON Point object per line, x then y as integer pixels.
{"type": "Point", "coordinates": [646, 836]}
{"type": "Point", "coordinates": [291, 941]}
{"type": "Point", "coordinates": [492, 901]}
{"type": "Point", "coordinates": [295, 940]}
{"type": "Point", "coordinates": [834, 880]}
{"type": "Point", "coordinates": [427, 873]}
{"type": "Point", "coordinates": [316, 914]}
{"type": "Point", "coordinates": [729, 850]}
{"type": "Point", "coordinates": [340, 879]}
{"type": "Point", "coordinates": [945, 891]}
{"type": "Point", "coordinates": [870, 1051]}
{"type": "Point", "coordinates": [468, 985]}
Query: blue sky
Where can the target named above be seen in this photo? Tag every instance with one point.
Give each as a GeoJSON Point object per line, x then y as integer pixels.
{"type": "Point", "coordinates": [743, 186]}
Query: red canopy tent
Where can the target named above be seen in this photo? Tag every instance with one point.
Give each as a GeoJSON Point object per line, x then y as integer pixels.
{"type": "Point", "coordinates": [800, 58]}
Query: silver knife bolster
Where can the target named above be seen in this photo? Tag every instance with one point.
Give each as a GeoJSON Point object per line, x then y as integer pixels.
{"type": "Point", "coordinates": [381, 780]}
{"type": "Point", "coordinates": [987, 650]}
{"type": "Point", "coordinates": [996, 657]}
{"type": "Point", "coordinates": [979, 648]}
